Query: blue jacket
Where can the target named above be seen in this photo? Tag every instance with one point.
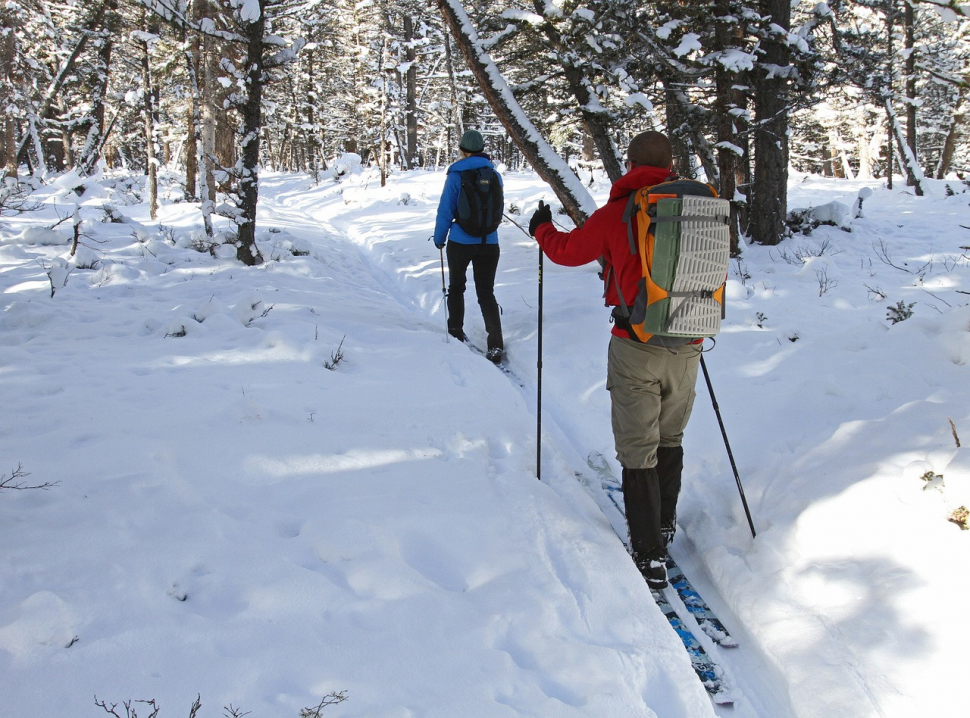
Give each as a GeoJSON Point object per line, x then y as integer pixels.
{"type": "Point", "coordinates": [445, 226]}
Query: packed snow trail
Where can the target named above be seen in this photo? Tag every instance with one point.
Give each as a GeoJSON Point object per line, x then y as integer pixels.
{"type": "Point", "coordinates": [396, 251]}
{"type": "Point", "coordinates": [290, 530]}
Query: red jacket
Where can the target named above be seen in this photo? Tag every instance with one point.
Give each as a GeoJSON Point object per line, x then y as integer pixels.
{"type": "Point", "coordinates": [605, 235]}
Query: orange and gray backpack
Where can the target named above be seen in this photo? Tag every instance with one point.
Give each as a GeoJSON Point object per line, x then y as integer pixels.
{"type": "Point", "coordinates": [683, 241]}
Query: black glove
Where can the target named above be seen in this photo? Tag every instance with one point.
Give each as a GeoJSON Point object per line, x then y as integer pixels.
{"type": "Point", "coordinates": [541, 216]}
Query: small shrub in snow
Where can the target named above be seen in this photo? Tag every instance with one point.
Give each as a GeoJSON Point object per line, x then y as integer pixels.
{"type": "Point", "coordinates": [959, 516]}
{"type": "Point", "coordinates": [176, 329]}
{"type": "Point", "coordinates": [932, 480]}
{"type": "Point", "coordinates": [800, 255]}
{"type": "Point", "coordinates": [336, 356]}
{"type": "Point", "coordinates": [15, 198]}
{"type": "Point", "coordinates": [111, 214]}
{"type": "Point", "coordinates": [300, 248]}
{"type": "Point", "coordinates": [15, 483]}
{"type": "Point", "coordinates": [347, 164]}
{"type": "Point", "coordinates": [833, 214]}
{"type": "Point", "coordinates": [86, 258]}
{"type": "Point", "coordinates": [900, 311]}
{"type": "Point", "coordinates": [331, 699]}
{"type": "Point", "coordinates": [57, 272]}
{"type": "Point", "coordinates": [825, 283]}
{"type": "Point", "coordinates": [130, 707]}
{"type": "Point", "coordinates": [864, 194]}
{"type": "Point", "coordinates": [741, 271]}
{"type": "Point", "coordinates": [252, 308]}
{"type": "Point", "coordinates": [204, 245]}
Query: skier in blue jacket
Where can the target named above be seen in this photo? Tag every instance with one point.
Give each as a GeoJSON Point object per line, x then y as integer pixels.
{"type": "Point", "coordinates": [482, 252]}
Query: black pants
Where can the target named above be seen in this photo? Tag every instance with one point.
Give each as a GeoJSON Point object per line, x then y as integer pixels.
{"type": "Point", "coordinates": [484, 261]}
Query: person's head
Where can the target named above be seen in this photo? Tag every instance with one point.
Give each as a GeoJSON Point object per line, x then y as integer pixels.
{"type": "Point", "coordinates": [471, 142]}
{"type": "Point", "coordinates": [651, 149]}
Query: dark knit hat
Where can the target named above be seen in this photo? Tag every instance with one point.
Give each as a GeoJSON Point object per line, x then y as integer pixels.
{"type": "Point", "coordinates": [471, 142]}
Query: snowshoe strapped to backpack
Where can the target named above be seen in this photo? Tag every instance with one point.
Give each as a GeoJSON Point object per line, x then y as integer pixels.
{"type": "Point", "coordinates": [480, 202]}
{"type": "Point", "coordinates": [683, 240]}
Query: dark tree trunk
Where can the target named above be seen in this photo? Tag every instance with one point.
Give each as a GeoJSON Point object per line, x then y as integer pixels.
{"type": "Point", "coordinates": [769, 192]}
{"type": "Point", "coordinates": [8, 62]}
{"type": "Point", "coordinates": [909, 22]}
{"type": "Point", "coordinates": [97, 130]}
{"type": "Point", "coordinates": [729, 99]}
{"type": "Point", "coordinates": [246, 250]}
{"type": "Point", "coordinates": [952, 137]}
{"type": "Point", "coordinates": [150, 111]}
{"type": "Point", "coordinates": [907, 157]}
{"type": "Point", "coordinates": [411, 95]}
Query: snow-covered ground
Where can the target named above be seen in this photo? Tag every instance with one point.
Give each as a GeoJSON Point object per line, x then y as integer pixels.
{"type": "Point", "coordinates": [273, 484]}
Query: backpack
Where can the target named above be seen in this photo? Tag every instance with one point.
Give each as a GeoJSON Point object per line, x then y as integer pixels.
{"type": "Point", "coordinates": [683, 241]}
{"type": "Point", "coordinates": [480, 202]}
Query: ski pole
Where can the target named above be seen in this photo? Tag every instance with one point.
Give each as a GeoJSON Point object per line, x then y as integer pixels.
{"type": "Point", "coordinates": [539, 382]}
{"type": "Point", "coordinates": [538, 363]}
{"type": "Point", "coordinates": [727, 445]}
{"type": "Point", "coordinates": [444, 291]}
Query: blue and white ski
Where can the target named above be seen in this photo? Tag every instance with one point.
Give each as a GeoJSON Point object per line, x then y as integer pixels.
{"type": "Point", "coordinates": [693, 601]}
{"type": "Point", "coordinates": [705, 668]}
{"type": "Point", "coordinates": [700, 660]}
{"type": "Point", "coordinates": [698, 608]}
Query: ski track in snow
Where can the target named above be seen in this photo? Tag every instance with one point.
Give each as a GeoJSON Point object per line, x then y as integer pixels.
{"type": "Point", "coordinates": [744, 667]}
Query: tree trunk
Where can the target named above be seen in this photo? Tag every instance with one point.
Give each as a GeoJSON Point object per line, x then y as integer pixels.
{"type": "Point", "coordinates": [207, 90]}
{"type": "Point", "coordinates": [411, 95]}
{"type": "Point", "coordinates": [452, 84]}
{"type": "Point", "coordinates": [576, 201]}
{"type": "Point", "coordinates": [769, 192]}
{"type": "Point", "coordinates": [952, 137]}
{"type": "Point", "coordinates": [97, 131]}
{"type": "Point", "coordinates": [728, 100]}
{"type": "Point", "coordinates": [246, 249]}
{"type": "Point", "coordinates": [192, 114]}
{"type": "Point", "coordinates": [150, 112]}
{"type": "Point", "coordinates": [914, 173]}
{"type": "Point", "coordinates": [909, 34]}
{"type": "Point", "coordinates": [8, 62]}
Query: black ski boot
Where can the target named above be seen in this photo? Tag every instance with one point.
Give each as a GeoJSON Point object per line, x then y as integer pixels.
{"type": "Point", "coordinates": [641, 496]}
{"type": "Point", "coordinates": [670, 467]}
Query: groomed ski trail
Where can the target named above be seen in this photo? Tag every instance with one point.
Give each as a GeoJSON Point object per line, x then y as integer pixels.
{"type": "Point", "coordinates": [753, 678]}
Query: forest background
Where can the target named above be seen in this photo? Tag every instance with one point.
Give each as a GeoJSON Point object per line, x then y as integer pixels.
{"type": "Point", "coordinates": [746, 89]}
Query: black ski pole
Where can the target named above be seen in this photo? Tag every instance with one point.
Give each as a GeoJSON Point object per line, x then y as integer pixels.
{"type": "Point", "coordinates": [727, 445]}
{"type": "Point", "coordinates": [444, 292]}
{"type": "Point", "coordinates": [539, 382]}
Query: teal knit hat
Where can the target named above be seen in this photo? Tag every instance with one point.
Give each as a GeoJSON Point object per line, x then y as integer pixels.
{"type": "Point", "coordinates": [471, 142]}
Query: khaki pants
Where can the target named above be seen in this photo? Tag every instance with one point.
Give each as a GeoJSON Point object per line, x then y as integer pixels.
{"type": "Point", "coordinates": [652, 392]}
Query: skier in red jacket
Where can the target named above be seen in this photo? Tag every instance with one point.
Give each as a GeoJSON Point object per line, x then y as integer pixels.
{"type": "Point", "coordinates": [651, 384]}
